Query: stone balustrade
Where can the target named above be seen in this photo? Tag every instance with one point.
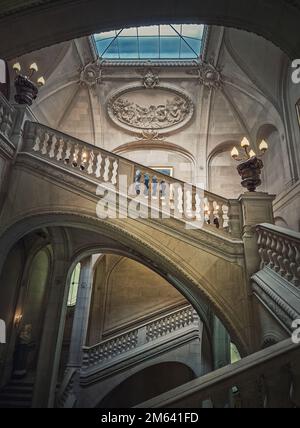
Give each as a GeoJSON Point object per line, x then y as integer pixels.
{"type": "Point", "coordinates": [7, 117]}
{"type": "Point", "coordinates": [163, 195]}
{"type": "Point", "coordinates": [267, 379]}
{"type": "Point", "coordinates": [121, 346]}
{"type": "Point", "coordinates": [279, 250]}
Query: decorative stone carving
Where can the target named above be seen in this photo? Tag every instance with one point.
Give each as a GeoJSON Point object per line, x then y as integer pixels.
{"type": "Point", "coordinates": [91, 74]}
{"type": "Point", "coordinates": [150, 80]}
{"type": "Point", "coordinates": [152, 117]}
{"type": "Point", "coordinates": [208, 75]}
{"type": "Point", "coordinates": [161, 109]}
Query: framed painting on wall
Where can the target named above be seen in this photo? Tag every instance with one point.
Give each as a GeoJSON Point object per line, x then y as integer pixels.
{"type": "Point", "coordinates": [164, 170]}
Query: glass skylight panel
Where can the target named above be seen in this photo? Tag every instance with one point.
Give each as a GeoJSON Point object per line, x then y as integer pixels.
{"type": "Point", "coordinates": [152, 42]}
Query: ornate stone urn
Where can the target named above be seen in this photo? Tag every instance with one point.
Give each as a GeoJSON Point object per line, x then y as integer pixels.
{"type": "Point", "coordinates": [26, 91]}
{"type": "Point", "coordinates": [250, 171]}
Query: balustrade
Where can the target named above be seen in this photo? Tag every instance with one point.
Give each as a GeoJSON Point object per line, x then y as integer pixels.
{"type": "Point", "coordinates": [279, 250]}
{"type": "Point", "coordinates": [164, 196]}
{"type": "Point", "coordinates": [267, 379]}
{"type": "Point", "coordinates": [111, 349]}
{"type": "Point", "coordinates": [7, 117]}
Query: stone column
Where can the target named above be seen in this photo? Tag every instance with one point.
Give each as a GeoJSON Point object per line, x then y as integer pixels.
{"type": "Point", "coordinates": [53, 329]}
{"type": "Point", "coordinates": [257, 208]}
{"type": "Point", "coordinates": [81, 316]}
{"type": "Point", "coordinates": [222, 358]}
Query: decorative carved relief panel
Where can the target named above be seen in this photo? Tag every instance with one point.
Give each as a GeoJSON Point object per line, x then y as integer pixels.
{"type": "Point", "coordinates": [163, 109]}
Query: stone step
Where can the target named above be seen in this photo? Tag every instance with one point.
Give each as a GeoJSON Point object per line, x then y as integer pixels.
{"type": "Point", "coordinates": [11, 404]}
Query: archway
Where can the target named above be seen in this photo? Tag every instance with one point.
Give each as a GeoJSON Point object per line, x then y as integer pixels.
{"type": "Point", "coordinates": [276, 22]}
{"type": "Point", "coordinates": [194, 292]}
{"type": "Point", "coordinates": [146, 384]}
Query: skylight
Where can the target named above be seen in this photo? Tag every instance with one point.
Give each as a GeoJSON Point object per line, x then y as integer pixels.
{"type": "Point", "coordinates": [154, 42]}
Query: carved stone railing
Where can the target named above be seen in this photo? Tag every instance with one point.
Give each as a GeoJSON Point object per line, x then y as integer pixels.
{"type": "Point", "coordinates": [267, 379]}
{"type": "Point", "coordinates": [279, 250]}
{"type": "Point", "coordinates": [7, 117]}
{"type": "Point", "coordinates": [158, 192]}
{"type": "Point", "coordinates": [125, 345]}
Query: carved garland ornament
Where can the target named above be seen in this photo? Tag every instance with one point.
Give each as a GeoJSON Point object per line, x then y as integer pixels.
{"type": "Point", "coordinates": [153, 117]}
{"type": "Point", "coordinates": [128, 110]}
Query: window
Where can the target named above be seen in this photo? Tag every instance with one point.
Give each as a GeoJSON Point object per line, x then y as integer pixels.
{"type": "Point", "coordinates": [235, 355]}
{"type": "Point", "coordinates": [74, 286]}
{"type": "Point", "coordinates": [153, 42]}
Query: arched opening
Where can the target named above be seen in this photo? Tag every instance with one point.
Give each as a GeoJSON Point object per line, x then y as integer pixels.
{"type": "Point", "coordinates": [146, 384]}
{"type": "Point", "coordinates": [222, 176]}
{"type": "Point", "coordinates": [31, 310]}
{"type": "Point", "coordinates": [96, 17]}
{"type": "Point", "coordinates": [275, 179]}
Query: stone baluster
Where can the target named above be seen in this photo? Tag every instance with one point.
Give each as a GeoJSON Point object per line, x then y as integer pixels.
{"type": "Point", "coordinates": [60, 150]}
{"type": "Point", "coordinates": [99, 163]}
{"type": "Point", "coordinates": [251, 394]}
{"type": "Point", "coordinates": [45, 142]}
{"type": "Point", "coordinates": [277, 387]}
{"type": "Point", "coordinates": [278, 252]}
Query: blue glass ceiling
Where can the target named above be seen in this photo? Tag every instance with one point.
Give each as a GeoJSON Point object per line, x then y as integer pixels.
{"type": "Point", "coordinates": [154, 42]}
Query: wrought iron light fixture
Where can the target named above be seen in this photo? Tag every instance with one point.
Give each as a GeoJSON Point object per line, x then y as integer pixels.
{"type": "Point", "coordinates": [251, 165]}
{"type": "Point", "coordinates": [26, 90]}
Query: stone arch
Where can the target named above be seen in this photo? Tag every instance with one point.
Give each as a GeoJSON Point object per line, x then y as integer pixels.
{"type": "Point", "coordinates": [147, 383]}
{"type": "Point", "coordinates": [97, 16]}
{"type": "Point", "coordinates": [276, 161]}
{"type": "Point", "coordinates": [222, 167]}
{"type": "Point", "coordinates": [281, 222]}
{"type": "Point", "coordinates": [177, 157]}
{"type": "Point", "coordinates": [192, 288]}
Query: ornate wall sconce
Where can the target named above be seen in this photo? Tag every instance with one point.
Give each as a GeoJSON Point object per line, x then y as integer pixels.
{"type": "Point", "coordinates": [251, 165]}
{"type": "Point", "coordinates": [26, 90]}
{"type": "Point", "coordinates": [18, 320]}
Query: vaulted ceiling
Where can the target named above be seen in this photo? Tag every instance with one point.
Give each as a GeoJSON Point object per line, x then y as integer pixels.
{"type": "Point", "coordinates": [29, 25]}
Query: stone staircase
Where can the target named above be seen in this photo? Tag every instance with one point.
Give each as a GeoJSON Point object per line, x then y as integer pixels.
{"type": "Point", "coordinates": [17, 394]}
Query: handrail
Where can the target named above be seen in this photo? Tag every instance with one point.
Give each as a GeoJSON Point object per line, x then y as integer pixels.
{"type": "Point", "coordinates": [264, 379]}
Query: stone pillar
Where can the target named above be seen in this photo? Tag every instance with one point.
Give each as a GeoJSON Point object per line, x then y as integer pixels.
{"type": "Point", "coordinates": [257, 208]}
{"type": "Point", "coordinates": [222, 358]}
{"type": "Point", "coordinates": [81, 316]}
{"type": "Point", "coordinates": [53, 329]}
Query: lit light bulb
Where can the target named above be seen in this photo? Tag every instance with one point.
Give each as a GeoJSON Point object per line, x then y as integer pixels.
{"type": "Point", "coordinates": [41, 81]}
{"type": "Point", "coordinates": [234, 153]}
{"type": "Point", "coordinates": [17, 67]}
{"type": "Point", "coordinates": [34, 68]}
{"type": "Point", "coordinates": [252, 154]}
{"type": "Point", "coordinates": [245, 142]}
{"type": "Point", "coordinates": [263, 147]}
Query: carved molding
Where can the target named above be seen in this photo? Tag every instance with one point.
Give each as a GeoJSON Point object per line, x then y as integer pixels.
{"type": "Point", "coordinates": [91, 74]}
{"type": "Point", "coordinates": [276, 304]}
{"type": "Point", "coordinates": [135, 116]}
{"type": "Point", "coordinates": [208, 75]}
{"type": "Point", "coordinates": [150, 80]}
